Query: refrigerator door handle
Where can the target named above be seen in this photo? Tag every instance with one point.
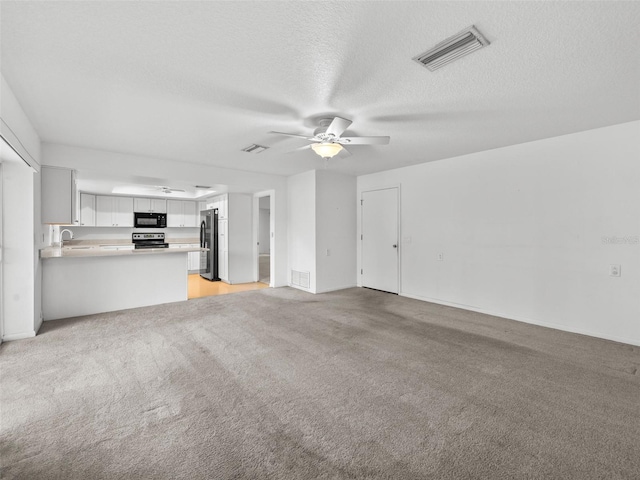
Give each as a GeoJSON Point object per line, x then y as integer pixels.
{"type": "Point", "coordinates": [202, 228]}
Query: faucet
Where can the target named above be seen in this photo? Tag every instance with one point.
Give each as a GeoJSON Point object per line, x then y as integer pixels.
{"type": "Point", "coordinates": [70, 236]}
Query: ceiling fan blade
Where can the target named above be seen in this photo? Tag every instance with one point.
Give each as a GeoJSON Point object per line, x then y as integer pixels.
{"type": "Point", "coordinates": [344, 153]}
{"type": "Point", "coordinates": [338, 126]}
{"type": "Point", "coordinates": [293, 135]}
{"type": "Point", "coordinates": [364, 140]}
{"type": "Point", "coordinates": [306, 147]}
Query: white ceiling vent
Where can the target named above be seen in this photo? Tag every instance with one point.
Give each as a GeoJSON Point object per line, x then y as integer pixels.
{"type": "Point", "coordinates": [453, 48]}
{"type": "Point", "coordinates": [255, 148]}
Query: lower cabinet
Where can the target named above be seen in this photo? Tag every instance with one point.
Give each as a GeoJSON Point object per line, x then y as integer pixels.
{"type": "Point", "coordinates": [194, 261]}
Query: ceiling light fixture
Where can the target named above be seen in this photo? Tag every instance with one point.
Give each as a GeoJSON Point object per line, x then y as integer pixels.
{"type": "Point", "coordinates": [327, 150]}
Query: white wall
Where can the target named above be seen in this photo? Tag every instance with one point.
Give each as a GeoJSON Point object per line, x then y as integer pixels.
{"type": "Point", "coordinates": [19, 266]}
{"type": "Point", "coordinates": [522, 227]}
{"type": "Point", "coordinates": [99, 161]}
{"type": "Point", "coordinates": [21, 216]}
{"type": "Point", "coordinates": [16, 128]}
{"type": "Point", "coordinates": [322, 217]}
{"type": "Point", "coordinates": [301, 192]}
{"type": "Point", "coordinates": [336, 206]}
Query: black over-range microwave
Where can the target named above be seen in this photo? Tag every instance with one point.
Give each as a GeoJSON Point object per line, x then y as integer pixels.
{"type": "Point", "coordinates": [149, 220]}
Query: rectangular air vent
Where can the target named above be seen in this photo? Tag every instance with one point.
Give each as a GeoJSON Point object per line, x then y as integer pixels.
{"type": "Point", "coordinates": [255, 148]}
{"type": "Point", "coordinates": [453, 48]}
{"type": "Point", "coordinates": [300, 279]}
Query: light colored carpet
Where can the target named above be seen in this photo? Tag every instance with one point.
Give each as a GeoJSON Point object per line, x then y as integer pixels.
{"type": "Point", "coordinates": [281, 384]}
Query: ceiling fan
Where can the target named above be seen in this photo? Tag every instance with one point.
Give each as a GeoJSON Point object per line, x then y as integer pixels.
{"type": "Point", "coordinates": [164, 189]}
{"type": "Point", "coordinates": [327, 140]}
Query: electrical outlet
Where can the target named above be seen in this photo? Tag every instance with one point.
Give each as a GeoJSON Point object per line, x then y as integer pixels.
{"type": "Point", "coordinates": [614, 270]}
{"type": "Point", "coordinates": [440, 257]}
{"type": "Point", "coordinates": [328, 252]}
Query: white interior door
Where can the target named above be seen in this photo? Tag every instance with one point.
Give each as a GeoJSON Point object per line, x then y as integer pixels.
{"type": "Point", "coordinates": [380, 239]}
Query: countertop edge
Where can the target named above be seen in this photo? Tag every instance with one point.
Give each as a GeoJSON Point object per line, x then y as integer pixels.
{"type": "Point", "coordinates": [54, 252]}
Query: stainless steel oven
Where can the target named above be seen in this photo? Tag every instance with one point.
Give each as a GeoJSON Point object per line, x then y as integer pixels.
{"type": "Point", "coordinates": [149, 220]}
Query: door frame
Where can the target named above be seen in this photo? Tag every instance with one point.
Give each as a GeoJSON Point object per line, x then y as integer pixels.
{"type": "Point", "coordinates": [361, 193]}
{"type": "Point", "coordinates": [256, 249]}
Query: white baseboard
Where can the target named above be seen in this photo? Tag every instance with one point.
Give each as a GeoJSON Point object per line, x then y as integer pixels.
{"type": "Point", "coordinates": [327, 290]}
{"type": "Point", "coordinates": [18, 336]}
{"type": "Point", "coordinates": [630, 341]}
{"type": "Point", "coordinates": [302, 289]}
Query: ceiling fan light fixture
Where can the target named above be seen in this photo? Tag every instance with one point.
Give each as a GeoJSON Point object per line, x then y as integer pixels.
{"type": "Point", "coordinates": [327, 150]}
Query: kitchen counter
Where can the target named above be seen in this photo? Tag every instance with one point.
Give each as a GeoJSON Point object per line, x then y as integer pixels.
{"type": "Point", "coordinates": [124, 249]}
{"type": "Point", "coordinates": [88, 277]}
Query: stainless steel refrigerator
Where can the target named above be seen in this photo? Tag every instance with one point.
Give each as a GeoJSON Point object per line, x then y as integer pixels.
{"type": "Point", "coordinates": [209, 239]}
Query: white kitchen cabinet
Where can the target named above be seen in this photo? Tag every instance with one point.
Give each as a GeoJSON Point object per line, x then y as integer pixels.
{"type": "Point", "coordinates": [114, 211]}
{"type": "Point", "coordinates": [59, 196]}
{"type": "Point", "coordinates": [149, 205]}
{"type": "Point", "coordinates": [235, 239]}
{"type": "Point", "coordinates": [87, 210]}
{"type": "Point", "coordinates": [194, 262]}
{"type": "Point", "coordinates": [221, 202]}
{"type": "Point", "coordinates": [181, 213]}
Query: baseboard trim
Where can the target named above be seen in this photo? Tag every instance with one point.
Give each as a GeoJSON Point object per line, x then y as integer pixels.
{"type": "Point", "coordinates": [555, 326]}
{"type": "Point", "coordinates": [327, 290]}
{"type": "Point", "coordinates": [18, 336]}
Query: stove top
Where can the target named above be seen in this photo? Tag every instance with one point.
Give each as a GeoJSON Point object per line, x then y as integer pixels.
{"type": "Point", "coordinates": [148, 240]}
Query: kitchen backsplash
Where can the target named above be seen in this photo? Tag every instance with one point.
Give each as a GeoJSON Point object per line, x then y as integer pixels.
{"type": "Point", "coordinates": [118, 233]}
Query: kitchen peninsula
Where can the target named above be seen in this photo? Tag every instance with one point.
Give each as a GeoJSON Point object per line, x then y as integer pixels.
{"type": "Point", "coordinates": [88, 278]}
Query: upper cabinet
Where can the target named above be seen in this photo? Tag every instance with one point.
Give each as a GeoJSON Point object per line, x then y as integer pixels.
{"type": "Point", "coordinates": [221, 202]}
{"type": "Point", "coordinates": [59, 196]}
{"type": "Point", "coordinates": [87, 210]}
{"type": "Point", "coordinates": [114, 211]}
{"type": "Point", "coordinates": [181, 213]}
{"type": "Point", "coordinates": [151, 205]}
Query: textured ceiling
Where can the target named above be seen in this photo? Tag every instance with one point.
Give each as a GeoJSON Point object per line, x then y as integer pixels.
{"type": "Point", "coordinates": [198, 81]}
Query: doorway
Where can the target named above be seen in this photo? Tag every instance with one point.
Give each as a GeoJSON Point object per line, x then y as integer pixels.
{"type": "Point", "coordinates": [379, 241]}
{"type": "Point", "coordinates": [264, 239]}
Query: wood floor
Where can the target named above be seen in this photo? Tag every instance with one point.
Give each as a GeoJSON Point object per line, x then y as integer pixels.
{"type": "Point", "coordinates": [200, 287]}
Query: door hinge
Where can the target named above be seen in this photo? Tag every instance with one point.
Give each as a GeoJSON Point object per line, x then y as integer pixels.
{"type": "Point", "coordinates": [361, 202]}
{"type": "Point", "coordinates": [361, 237]}
{"type": "Point", "coordinates": [360, 271]}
